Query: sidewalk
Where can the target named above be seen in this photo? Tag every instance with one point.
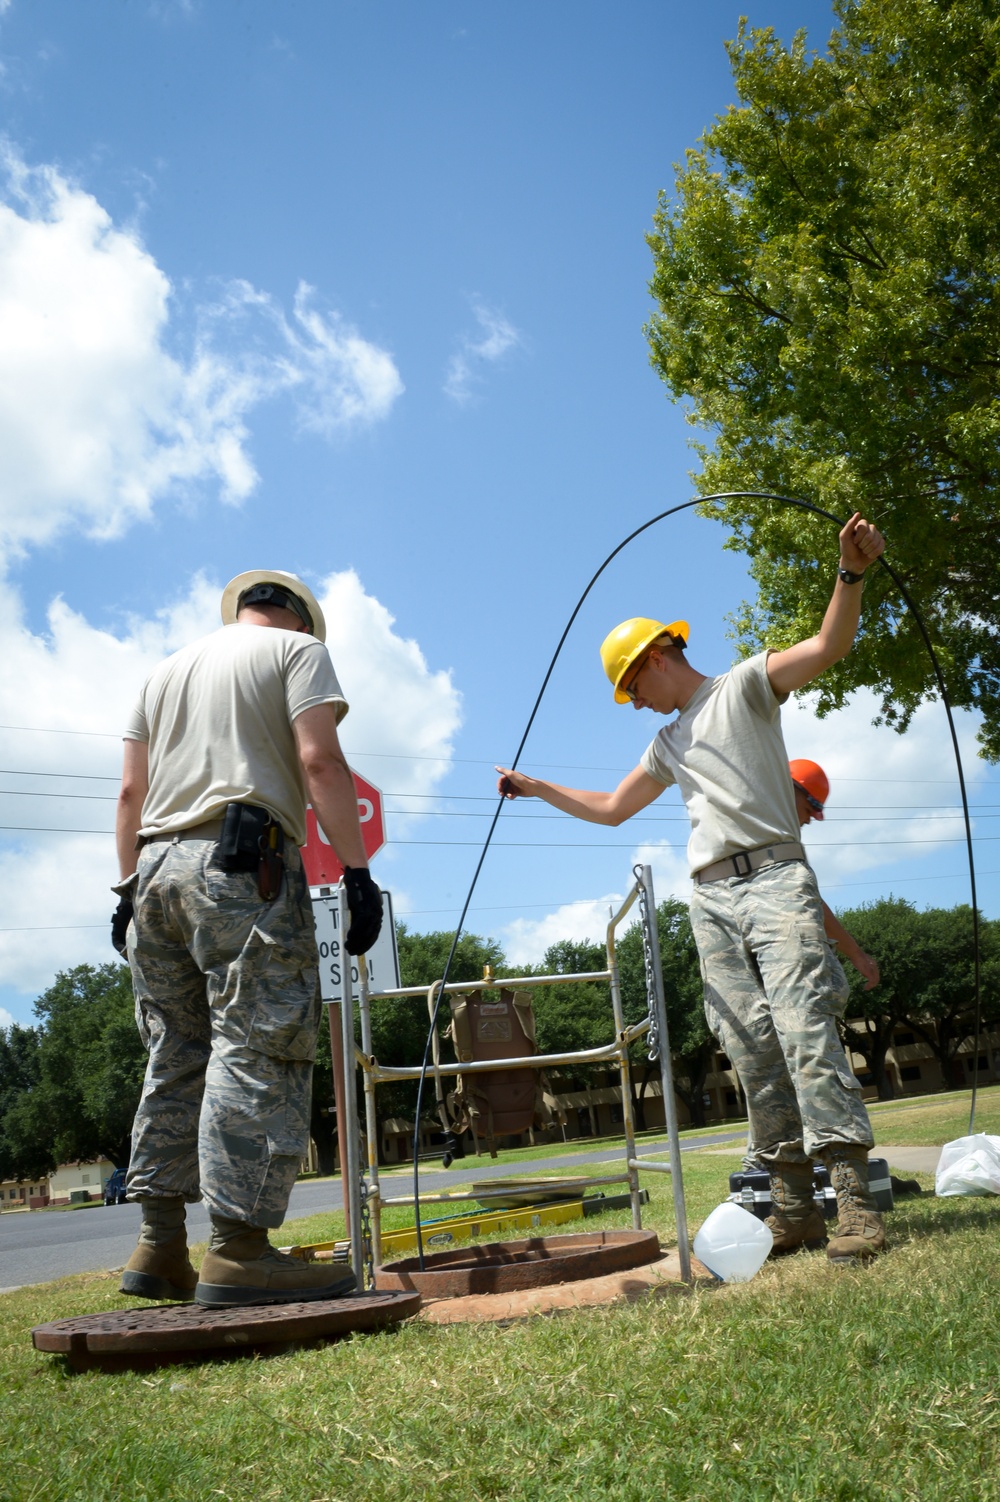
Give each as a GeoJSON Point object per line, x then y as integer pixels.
{"type": "Point", "coordinates": [909, 1159]}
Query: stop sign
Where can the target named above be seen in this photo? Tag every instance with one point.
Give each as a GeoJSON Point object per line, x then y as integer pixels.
{"type": "Point", "coordinates": [322, 867]}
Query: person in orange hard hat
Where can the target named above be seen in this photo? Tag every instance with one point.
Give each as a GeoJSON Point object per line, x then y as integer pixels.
{"type": "Point", "coordinates": [756, 913]}
{"type": "Point", "coordinates": [812, 789]}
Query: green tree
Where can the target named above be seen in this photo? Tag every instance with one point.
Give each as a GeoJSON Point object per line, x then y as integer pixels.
{"type": "Point", "coordinates": [826, 282]}
{"type": "Point", "coordinates": [691, 1043]}
{"type": "Point", "coordinates": [323, 1118]}
{"type": "Point", "coordinates": [927, 983]}
{"type": "Point", "coordinates": [571, 1018]}
{"type": "Point", "coordinates": [893, 932]}
{"type": "Point", "coordinates": [90, 1067]}
{"type": "Point", "coordinates": [21, 1155]}
{"type": "Point", "coordinates": [942, 1007]}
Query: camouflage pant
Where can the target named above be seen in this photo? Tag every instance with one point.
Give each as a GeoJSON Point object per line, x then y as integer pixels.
{"type": "Point", "coordinates": [773, 994]}
{"type": "Point", "coordinates": [227, 1002]}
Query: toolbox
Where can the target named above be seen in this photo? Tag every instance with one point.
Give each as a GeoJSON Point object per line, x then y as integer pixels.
{"type": "Point", "coordinates": [752, 1189]}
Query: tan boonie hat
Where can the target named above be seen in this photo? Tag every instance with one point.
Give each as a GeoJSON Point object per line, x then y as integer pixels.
{"type": "Point", "coordinates": [238, 587]}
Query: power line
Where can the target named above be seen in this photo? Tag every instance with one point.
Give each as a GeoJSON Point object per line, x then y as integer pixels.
{"type": "Point", "coordinates": [79, 776]}
{"type": "Point", "coordinates": [469, 761]}
{"type": "Point", "coordinates": [519, 907]}
{"type": "Point", "coordinates": [539, 844]}
{"type": "Point", "coordinates": [109, 735]}
{"type": "Point", "coordinates": [918, 813]}
{"type": "Point", "coordinates": [29, 793]}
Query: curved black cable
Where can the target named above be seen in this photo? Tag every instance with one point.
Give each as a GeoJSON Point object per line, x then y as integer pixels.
{"type": "Point", "coordinates": [728, 495]}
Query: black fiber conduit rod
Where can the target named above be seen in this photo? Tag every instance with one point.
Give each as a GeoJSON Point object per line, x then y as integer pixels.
{"type": "Point", "coordinates": [726, 495]}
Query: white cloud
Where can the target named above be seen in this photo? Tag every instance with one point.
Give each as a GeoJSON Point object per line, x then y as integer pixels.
{"type": "Point", "coordinates": [345, 380]}
{"type": "Point", "coordinates": [399, 707]}
{"type": "Point", "coordinates": [465, 368]}
{"type": "Point", "coordinates": [82, 679]}
{"type": "Point", "coordinates": [98, 419]}
{"type": "Point", "coordinates": [6, 1019]}
{"type": "Point", "coordinates": [671, 877]}
{"type": "Point", "coordinates": [526, 939]}
{"type": "Point", "coordinates": [888, 792]}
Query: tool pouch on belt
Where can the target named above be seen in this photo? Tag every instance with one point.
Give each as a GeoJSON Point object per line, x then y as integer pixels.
{"type": "Point", "coordinates": [496, 1024]}
{"type": "Point", "coordinates": [252, 841]}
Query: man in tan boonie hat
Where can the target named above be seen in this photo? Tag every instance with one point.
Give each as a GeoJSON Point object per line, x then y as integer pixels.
{"type": "Point", "coordinates": [228, 739]}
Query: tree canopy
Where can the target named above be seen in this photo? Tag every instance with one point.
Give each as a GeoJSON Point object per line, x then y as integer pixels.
{"type": "Point", "coordinates": [81, 1077]}
{"type": "Point", "coordinates": [927, 982]}
{"type": "Point", "coordinates": [826, 281]}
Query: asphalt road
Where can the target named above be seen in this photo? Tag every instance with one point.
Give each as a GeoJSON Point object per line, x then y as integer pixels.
{"type": "Point", "coordinates": [37, 1246]}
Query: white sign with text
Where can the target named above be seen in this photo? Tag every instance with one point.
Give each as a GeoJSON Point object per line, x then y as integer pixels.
{"type": "Point", "coordinates": [382, 959]}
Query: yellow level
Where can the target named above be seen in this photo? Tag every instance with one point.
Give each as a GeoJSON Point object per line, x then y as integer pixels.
{"type": "Point", "coordinates": [441, 1233]}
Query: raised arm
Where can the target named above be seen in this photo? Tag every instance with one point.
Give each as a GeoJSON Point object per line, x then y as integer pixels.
{"type": "Point", "coordinates": [860, 545]}
{"type": "Point", "coordinates": [634, 792]}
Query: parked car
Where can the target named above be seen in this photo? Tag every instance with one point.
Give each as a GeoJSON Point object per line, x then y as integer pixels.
{"type": "Point", "coordinates": [114, 1188]}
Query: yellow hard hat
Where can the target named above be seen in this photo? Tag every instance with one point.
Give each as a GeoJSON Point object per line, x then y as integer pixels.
{"type": "Point", "coordinates": [626, 643]}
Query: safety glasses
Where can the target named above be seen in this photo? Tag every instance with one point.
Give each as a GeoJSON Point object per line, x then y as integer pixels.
{"type": "Point", "coordinates": [630, 691]}
{"type": "Point", "coordinates": [813, 803]}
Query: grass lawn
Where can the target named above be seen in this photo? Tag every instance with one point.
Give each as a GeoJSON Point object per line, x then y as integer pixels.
{"type": "Point", "coordinates": [810, 1382]}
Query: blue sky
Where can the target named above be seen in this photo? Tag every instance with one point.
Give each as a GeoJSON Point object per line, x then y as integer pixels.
{"type": "Point", "coordinates": [357, 290]}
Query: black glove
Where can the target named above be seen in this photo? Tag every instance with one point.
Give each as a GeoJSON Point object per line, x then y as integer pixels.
{"type": "Point", "coordinates": [365, 903]}
{"type": "Point", "coordinates": [120, 920]}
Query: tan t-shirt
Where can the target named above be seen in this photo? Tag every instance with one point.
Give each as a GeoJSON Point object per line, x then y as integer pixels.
{"type": "Point", "coordinates": [218, 718]}
{"type": "Point", "coordinates": [726, 753]}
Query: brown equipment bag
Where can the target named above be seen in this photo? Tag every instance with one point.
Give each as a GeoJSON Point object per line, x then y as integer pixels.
{"type": "Point", "coordinates": [496, 1023]}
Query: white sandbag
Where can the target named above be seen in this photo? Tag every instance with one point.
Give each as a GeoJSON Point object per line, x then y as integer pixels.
{"type": "Point", "coordinates": [969, 1165]}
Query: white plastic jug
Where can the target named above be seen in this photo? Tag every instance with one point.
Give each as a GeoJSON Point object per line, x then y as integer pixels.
{"type": "Point", "coordinates": [732, 1243]}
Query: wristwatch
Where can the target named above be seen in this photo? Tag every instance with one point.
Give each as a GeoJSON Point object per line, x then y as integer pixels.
{"type": "Point", "coordinates": [848, 577]}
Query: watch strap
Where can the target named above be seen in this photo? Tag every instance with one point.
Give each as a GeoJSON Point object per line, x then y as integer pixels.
{"type": "Point", "coordinates": [848, 577]}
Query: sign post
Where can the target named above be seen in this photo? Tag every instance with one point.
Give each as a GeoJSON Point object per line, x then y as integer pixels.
{"type": "Point", "coordinates": [323, 873]}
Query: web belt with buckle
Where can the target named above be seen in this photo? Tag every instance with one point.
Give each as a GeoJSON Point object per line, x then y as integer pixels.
{"type": "Point", "coordinates": [745, 862]}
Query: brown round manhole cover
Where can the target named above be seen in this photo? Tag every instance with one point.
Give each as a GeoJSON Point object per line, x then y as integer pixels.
{"type": "Point", "coordinates": [504, 1266]}
{"type": "Point", "coordinates": [179, 1331]}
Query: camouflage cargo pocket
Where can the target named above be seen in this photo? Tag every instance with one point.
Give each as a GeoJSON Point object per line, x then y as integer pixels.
{"type": "Point", "coordinates": [279, 990]}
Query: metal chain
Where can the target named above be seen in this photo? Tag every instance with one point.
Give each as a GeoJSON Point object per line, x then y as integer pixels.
{"type": "Point", "coordinates": [653, 1033]}
{"type": "Point", "coordinates": [366, 1234]}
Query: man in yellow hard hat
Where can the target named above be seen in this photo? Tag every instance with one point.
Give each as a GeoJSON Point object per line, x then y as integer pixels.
{"type": "Point", "coordinates": [755, 909]}
{"type": "Point", "coordinates": [228, 738]}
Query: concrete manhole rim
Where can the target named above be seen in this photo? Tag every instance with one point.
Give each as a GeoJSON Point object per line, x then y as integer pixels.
{"type": "Point", "coordinates": [508, 1266]}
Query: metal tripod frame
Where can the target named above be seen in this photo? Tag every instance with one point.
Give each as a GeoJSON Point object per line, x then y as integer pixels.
{"type": "Point", "coordinates": [363, 1192]}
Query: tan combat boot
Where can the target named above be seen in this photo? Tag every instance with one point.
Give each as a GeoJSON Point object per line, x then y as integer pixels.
{"type": "Point", "coordinates": [244, 1268]}
{"type": "Point", "coordinates": [160, 1267]}
{"type": "Point", "coordinates": [795, 1221]}
{"type": "Point", "coordinates": [160, 1272]}
{"type": "Point", "coordinates": [860, 1232]}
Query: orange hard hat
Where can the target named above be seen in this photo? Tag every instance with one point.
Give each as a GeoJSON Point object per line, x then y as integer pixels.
{"type": "Point", "coordinates": [810, 777]}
